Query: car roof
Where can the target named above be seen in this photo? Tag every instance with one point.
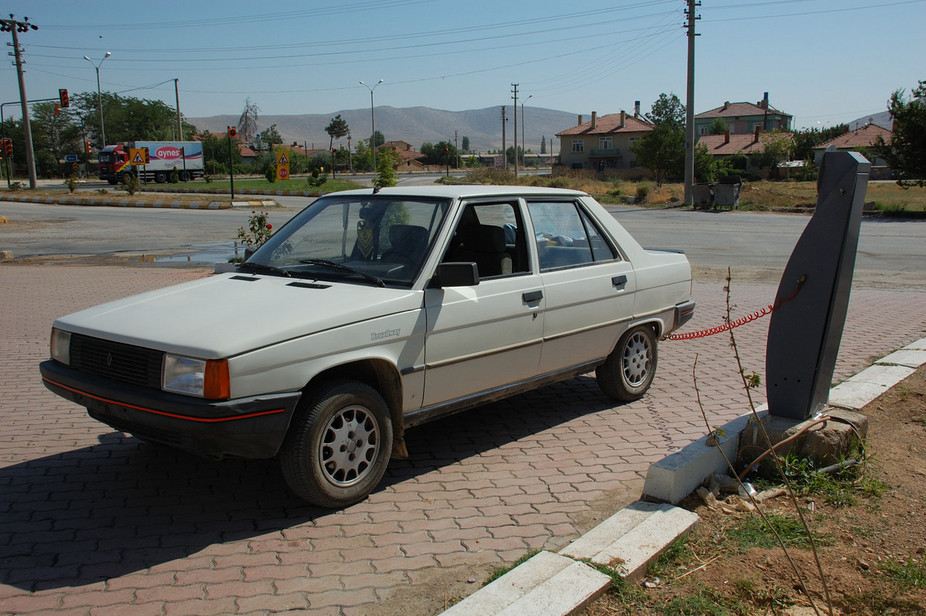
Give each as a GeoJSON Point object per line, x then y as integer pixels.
{"type": "Point", "coordinates": [462, 191]}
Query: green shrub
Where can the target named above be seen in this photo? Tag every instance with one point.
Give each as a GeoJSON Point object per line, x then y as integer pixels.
{"type": "Point", "coordinates": [130, 183]}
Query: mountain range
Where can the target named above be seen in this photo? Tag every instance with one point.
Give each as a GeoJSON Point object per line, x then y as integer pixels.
{"type": "Point", "coordinates": [414, 125]}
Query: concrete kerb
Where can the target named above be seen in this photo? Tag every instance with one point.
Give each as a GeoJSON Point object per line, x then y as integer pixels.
{"type": "Point", "coordinates": [563, 583]}
{"type": "Point", "coordinates": [122, 202]}
{"type": "Point", "coordinates": [157, 203]}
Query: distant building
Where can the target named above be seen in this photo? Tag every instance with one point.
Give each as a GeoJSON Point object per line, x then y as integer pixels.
{"type": "Point", "coordinates": [409, 159]}
{"type": "Point", "coordinates": [744, 118]}
{"type": "Point", "coordinates": [603, 143]}
{"type": "Point", "coordinates": [748, 145]}
{"type": "Point", "coordinates": [860, 140]}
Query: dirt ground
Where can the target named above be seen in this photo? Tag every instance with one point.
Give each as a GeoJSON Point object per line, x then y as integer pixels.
{"type": "Point", "coordinates": [872, 551]}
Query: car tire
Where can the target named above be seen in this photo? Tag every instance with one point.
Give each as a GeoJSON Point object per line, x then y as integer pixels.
{"type": "Point", "coordinates": [629, 370]}
{"type": "Point", "coordinates": [185, 176]}
{"type": "Point", "coordinates": [339, 445]}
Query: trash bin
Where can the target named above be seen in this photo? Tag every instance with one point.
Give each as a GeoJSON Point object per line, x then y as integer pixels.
{"type": "Point", "coordinates": [701, 193]}
{"type": "Point", "coordinates": [727, 191]}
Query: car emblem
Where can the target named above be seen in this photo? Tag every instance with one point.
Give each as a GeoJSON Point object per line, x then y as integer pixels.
{"type": "Point", "coordinates": [109, 360]}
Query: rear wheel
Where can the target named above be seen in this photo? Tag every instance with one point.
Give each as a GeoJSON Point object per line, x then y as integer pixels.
{"type": "Point", "coordinates": [629, 370]}
{"type": "Point", "coordinates": [339, 445]}
{"type": "Point", "coordinates": [160, 177]}
{"type": "Point", "coordinates": [185, 176]}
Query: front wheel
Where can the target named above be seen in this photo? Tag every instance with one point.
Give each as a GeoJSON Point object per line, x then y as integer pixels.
{"type": "Point", "coordinates": [339, 445]}
{"type": "Point", "coordinates": [629, 370]}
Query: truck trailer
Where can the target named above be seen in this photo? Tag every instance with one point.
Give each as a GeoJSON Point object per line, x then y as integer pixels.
{"type": "Point", "coordinates": [163, 157]}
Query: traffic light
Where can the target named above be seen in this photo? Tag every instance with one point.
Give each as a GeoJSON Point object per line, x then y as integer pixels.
{"type": "Point", "coordinates": [7, 147]}
{"type": "Point", "coordinates": [232, 132]}
{"type": "Point", "coordinates": [87, 148]}
{"type": "Point", "coordinates": [63, 98]}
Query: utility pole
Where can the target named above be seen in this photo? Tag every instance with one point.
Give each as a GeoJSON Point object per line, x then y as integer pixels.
{"type": "Point", "coordinates": [504, 153]}
{"type": "Point", "coordinates": [16, 27]}
{"type": "Point", "coordinates": [689, 103]}
{"type": "Point", "coordinates": [177, 95]}
{"type": "Point", "coordinates": [515, 86]}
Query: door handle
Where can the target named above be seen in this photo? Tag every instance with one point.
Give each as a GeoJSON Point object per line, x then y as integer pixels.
{"type": "Point", "coordinates": [619, 281]}
{"type": "Point", "coordinates": [532, 296]}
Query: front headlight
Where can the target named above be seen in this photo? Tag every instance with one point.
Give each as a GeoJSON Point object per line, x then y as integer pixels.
{"type": "Point", "coordinates": [196, 377]}
{"type": "Point", "coordinates": [60, 346]}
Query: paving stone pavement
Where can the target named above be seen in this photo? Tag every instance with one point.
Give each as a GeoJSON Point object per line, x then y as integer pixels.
{"type": "Point", "coordinates": [95, 522]}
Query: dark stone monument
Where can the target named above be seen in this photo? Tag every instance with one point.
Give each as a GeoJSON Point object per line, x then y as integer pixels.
{"type": "Point", "coordinates": [813, 296]}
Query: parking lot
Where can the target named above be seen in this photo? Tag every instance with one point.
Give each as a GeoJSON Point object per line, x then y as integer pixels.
{"type": "Point", "coordinates": [96, 522]}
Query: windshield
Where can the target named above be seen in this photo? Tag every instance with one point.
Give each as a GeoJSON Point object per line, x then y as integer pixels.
{"type": "Point", "coordinates": [368, 239]}
{"type": "Point", "coordinates": [106, 157]}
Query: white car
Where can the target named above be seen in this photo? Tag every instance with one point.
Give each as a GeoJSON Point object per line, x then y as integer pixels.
{"type": "Point", "coordinates": [369, 312]}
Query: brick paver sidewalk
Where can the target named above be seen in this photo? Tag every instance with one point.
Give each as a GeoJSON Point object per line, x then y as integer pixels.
{"type": "Point", "coordinates": [95, 522]}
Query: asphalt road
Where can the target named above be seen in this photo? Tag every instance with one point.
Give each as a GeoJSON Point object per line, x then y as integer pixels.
{"type": "Point", "coordinates": [891, 254]}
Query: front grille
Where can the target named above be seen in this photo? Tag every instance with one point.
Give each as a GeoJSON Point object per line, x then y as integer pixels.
{"type": "Point", "coordinates": [120, 362]}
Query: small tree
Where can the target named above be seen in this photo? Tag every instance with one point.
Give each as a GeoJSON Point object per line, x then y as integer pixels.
{"type": "Point", "coordinates": [718, 127]}
{"type": "Point", "coordinates": [668, 109]}
{"type": "Point", "coordinates": [906, 153]}
{"type": "Point", "coordinates": [337, 128]}
{"type": "Point", "coordinates": [662, 151]}
{"type": "Point", "coordinates": [776, 148]}
{"type": "Point", "coordinates": [464, 143]}
{"type": "Point", "coordinates": [247, 122]}
{"type": "Point", "coordinates": [386, 161]}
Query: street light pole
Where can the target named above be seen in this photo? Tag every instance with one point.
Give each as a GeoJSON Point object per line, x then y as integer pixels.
{"type": "Point", "coordinates": [372, 122]}
{"type": "Point", "coordinates": [523, 144]}
{"type": "Point", "coordinates": [99, 96]}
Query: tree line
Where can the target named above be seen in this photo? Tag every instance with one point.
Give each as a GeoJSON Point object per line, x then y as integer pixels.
{"type": "Point", "coordinates": [58, 131]}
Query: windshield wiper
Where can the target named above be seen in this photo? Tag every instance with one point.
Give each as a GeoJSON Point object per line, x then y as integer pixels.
{"type": "Point", "coordinates": [344, 268]}
{"type": "Point", "coordinates": [266, 269]}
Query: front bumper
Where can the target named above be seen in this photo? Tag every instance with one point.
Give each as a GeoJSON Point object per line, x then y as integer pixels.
{"type": "Point", "coordinates": [242, 428]}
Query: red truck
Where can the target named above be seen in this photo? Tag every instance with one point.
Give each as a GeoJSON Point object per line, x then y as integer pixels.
{"type": "Point", "coordinates": [163, 157]}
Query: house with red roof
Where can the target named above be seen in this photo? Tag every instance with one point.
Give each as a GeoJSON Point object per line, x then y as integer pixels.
{"type": "Point", "coordinates": [858, 141]}
{"type": "Point", "coordinates": [409, 159]}
{"type": "Point", "coordinates": [603, 142]}
{"type": "Point", "coordinates": [744, 118]}
{"type": "Point", "coordinates": [748, 145]}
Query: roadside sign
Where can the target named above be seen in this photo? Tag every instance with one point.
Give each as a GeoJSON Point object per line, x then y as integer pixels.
{"type": "Point", "coordinates": [70, 158]}
{"type": "Point", "coordinates": [283, 157]}
{"type": "Point", "coordinates": [138, 156]}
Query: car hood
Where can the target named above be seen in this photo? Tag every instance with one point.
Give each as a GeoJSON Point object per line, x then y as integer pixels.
{"type": "Point", "coordinates": [226, 315]}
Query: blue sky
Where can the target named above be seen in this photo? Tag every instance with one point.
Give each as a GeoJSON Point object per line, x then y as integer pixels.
{"type": "Point", "coordinates": [823, 61]}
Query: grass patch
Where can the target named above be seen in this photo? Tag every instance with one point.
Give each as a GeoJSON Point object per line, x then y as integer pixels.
{"type": "Point", "coordinates": [703, 602]}
{"type": "Point", "coordinates": [839, 489]}
{"type": "Point", "coordinates": [879, 603]}
{"type": "Point", "coordinates": [298, 185]}
{"type": "Point", "coordinates": [678, 552]}
{"type": "Point", "coordinates": [753, 532]}
{"type": "Point", "coordinates": [500, 571]}
{"type": "Point", "coordinates": [907, 574]}
{"type": "Point", "coordinates": [774, 599]}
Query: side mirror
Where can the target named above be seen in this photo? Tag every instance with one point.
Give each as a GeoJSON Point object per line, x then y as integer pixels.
{"type": "Point", "coordinates": [457, 275]}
